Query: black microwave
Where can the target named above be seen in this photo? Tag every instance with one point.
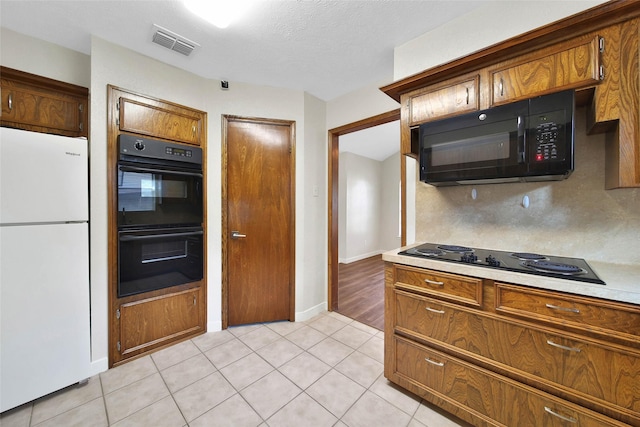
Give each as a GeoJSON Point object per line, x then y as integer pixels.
{"type": "Point", "coordinates": [529, 140]}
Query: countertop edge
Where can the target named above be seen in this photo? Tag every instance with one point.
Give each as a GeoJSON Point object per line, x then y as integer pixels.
{"type": "Point", "coordinates": [622, 280]}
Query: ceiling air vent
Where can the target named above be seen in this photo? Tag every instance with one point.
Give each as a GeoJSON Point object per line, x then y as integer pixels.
{"type": "Point", "coordinates": [173, 41]}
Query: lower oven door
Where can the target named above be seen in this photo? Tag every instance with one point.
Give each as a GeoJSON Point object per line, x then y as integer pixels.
{"type": "Point", "coordinates": [160, 258]}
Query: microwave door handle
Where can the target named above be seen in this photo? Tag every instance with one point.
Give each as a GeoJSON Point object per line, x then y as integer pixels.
{"type": "Point", "coordinates": [160, 236]}
{"type": "Point", "coordinates": [152, 170]}
{"type": "Point", "coordinates": [522, 142]}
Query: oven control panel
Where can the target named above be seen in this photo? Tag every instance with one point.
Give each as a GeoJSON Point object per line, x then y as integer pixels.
{"type": "Point", "coordinates": [131, 146]}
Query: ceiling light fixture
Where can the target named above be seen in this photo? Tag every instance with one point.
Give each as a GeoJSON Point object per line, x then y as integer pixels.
{"type": "Point", "coordinates": [220, 13]}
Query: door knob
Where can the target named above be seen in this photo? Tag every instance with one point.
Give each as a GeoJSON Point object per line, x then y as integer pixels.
{"type": "Point", "coordinates": [237, 235]}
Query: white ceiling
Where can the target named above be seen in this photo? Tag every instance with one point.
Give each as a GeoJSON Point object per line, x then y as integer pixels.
{"type": "Point", "coordinates": [326, 48]}
{"type": "Point", "coordinates": [378, 142]}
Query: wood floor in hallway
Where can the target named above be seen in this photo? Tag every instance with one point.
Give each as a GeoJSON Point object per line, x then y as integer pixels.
{"type": "Point", "coordinates": [361, 291]}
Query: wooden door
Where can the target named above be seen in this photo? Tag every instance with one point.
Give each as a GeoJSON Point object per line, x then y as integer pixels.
{"type": "Point", "coordinates": [258, 220]}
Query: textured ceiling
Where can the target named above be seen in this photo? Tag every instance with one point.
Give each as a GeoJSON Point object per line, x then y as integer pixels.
{"type": "Point", "coordinates": [326, 48]}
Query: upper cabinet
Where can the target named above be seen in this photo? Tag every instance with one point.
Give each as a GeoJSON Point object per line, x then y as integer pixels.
{"type": "Point", "coordinates": [160, 119]}
{"type": "Point", "coordinates": [439, 101]}
{"type": "Point", "coordinates": [595, 52]}
{"type": "Point", "coordinates": [574, 67]}
{"type": "Point", "coordinates": [40, 104]}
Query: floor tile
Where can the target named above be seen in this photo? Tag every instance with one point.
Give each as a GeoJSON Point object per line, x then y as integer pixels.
{"type": "Point", "coordinates": [163, 413]}
{"type": "Point", "coordinates": [397, 396]}
{"type": "Point", "coordinates": [431, 416]}
{"type": "Point", "coordinates": [304, 370]}
{"type": "Point", "coordinates": [174, 354]}
{"type": "Point", "coordinates": [243, 329]}
{"type": "Point", "coordinates": [279, 352]}
{"type": "Point", "coordinates": [267, 395]}
{"type": "Point", "coordinates": [132, 398]}
{"type": "Point", "coordinates": [374, 348]}
{"type": "Point", "coordinates": [352, 336]}
{"type": "Point", "coordinates": [203, 395]}
{"type": "Point", "coordinates": [212, 339]}
{"type": "Point", "coordinates": [91, 413]}
{"type": "Point", "coordinates": [360, 368]}
{"type": "Point", "coordinates": [65, 399]}
{"type": "Point", "coordinates": [227, 353]}
{"type": "Point", "coordinates": [17, 417]}
{"type": "Point", "coordinates": [415, 423]}
{"type": "Point", "coordinates": [331, 351]}
{"type": "Point", "coordinates": [284, 327]}
{"type": "Point", "coordinates": [365, 328]}
{"type": "Point", "coordinates": [246, 371]}
{"type": "Point", "coordinates": [187, 372]}
{"type": "Point", "coordinates": [372, 410]}
{"type": "Point", "coordinates": [327, 325]}
{"type": "Point", "coordinates": [258, 338]}
{"type": "Point", "coordinates": [339, 316]}
{"type": "Point", "coordinates": [306, 337]}
{"type": "Point", "coordinates": [233, 412]}
{"type": "Point", "coordinates": [336, 392]}
{"type": "Point", "coordinates": [126, 374]}
{"type": "Point", "coordinates": [302, 408]}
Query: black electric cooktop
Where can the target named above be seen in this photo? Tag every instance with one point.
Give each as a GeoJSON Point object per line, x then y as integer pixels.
{"type": "Point", "coordinates": [521, 262]}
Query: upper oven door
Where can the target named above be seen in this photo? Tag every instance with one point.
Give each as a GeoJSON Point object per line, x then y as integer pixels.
{"type": "Point", "coordinates": [156, 196]}
{"type": "Point", "coordinates": [486, 144]}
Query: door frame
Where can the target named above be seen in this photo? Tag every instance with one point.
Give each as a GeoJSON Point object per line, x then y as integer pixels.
{"type": "Point", "coordinates": [226, 118]}
{"type": "Point", "coordinates": [334, 154]}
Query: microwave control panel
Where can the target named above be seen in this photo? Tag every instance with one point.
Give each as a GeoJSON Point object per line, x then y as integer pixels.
{"type": "Point", "coordinates": [548, 137]}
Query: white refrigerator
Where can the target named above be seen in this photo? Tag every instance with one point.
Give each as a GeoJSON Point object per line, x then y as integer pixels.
{"type": "Point", "coordinates": [44, 265]}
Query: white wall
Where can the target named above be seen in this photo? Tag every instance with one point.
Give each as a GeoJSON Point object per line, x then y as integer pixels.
{"type": "Point", "coordinates": [110, 64]}
{"type": "Point", "coordinates": [489, 24]}
{"type": "Point", "coordinates": [360, 104]}
{"type": "Point", "coordinates": [368, 206]}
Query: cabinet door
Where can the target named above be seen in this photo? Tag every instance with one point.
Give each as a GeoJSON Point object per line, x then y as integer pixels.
{"type": "Point", "coordinates": [575, 67]}
{"type": "Point", "coordinates": [153, 322]}
{"type": "Point", "coordinates": [39, 109]}
{"type": "Point", "coordinates": [454, 97]}
{"type": "Point", "coordinates": [161, 120]}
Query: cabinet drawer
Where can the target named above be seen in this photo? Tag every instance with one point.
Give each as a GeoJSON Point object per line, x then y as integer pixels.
{"type": "Point", "coordinates": [605, 318]}
{"type": "Point", "coordinates": [439, 102]}
{"type": "Point", "coordinates": [575, 67]}
{"type": "Point", "coordinates": [153, 322]}
{"type": "Point", "coordinates": [487, 394]}
{"type": "Point", "coordinates": [160, 121]}
{"type": "Point", "coordinates": [609, 374]}
{"type": "Point", "coordinates": [462, 289]}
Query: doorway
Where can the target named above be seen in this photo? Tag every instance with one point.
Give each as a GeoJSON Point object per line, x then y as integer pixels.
{"type": "Point", "coordinates": [258, 220]}
{"type": "Point", "coordinates": [334, 134]}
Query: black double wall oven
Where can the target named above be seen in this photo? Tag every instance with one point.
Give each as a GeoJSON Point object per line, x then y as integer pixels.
{"type": "Point", "coordinates": [160, 215]}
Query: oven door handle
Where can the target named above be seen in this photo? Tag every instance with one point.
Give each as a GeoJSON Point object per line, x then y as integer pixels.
{"type": "Point", "coordinates": [522, 141]}
{"type": "Point", "coordinates": [160, 236]}
{"type": "Point", "coordinates": [153, 170]}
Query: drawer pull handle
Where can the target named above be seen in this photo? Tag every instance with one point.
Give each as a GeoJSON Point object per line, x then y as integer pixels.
{"type": "Point", "coordinates": [433, 310]}
{"type": "Point", "coordinates": [433, 282]}
{"type": "Point", "coordinates": [433, 362]}
{"type": "Point", "coordinates": [557, 307]}
{"type": "Point", "coordinates": [564, 347]}
{"type": "Point", "coordinates": [562, 417]}
{"type": "Point", "coordinates": [10, 102]}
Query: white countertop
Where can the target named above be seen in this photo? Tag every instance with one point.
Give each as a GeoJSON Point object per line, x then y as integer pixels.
{"type": "Point", "coordinates": [622, 280]}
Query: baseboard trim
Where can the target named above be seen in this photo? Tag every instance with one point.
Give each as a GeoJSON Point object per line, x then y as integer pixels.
{"type": "Point", "coordinates": [301, 316]}
{"type": "Point", "coordinates": [360, 257]}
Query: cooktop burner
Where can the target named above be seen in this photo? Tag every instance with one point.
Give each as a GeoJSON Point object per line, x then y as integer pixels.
{"type": "Point", "coordinates": [554, 267]}
{"type": "Point", "coordinates": [527, 256]}
{"type": "Point", "coordinates": [522, 262]}
{"type": "Point", "coordinates": [455, 249]}
{"type": "Point", "coordinates": [430, 252]}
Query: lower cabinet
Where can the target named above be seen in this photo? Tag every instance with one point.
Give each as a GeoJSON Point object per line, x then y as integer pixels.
{"type": "Point", "coordinates": [491, 368]}
{"type": "Point", "coordinates": [151, 323]}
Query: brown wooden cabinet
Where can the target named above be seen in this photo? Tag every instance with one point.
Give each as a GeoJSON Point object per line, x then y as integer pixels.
{"type": "Point", "coordinates": [527, 345]}
{"type": "Point", "coordinates": [146, 322]}
{"type": "Point", "coordinates": [160, 119]}
{"type": "Point", "coordinates": [595, 52]}
{"type": "Point", "coordinates": [152, 322]}
{"type": "Point", "coordinates": [39, 104]}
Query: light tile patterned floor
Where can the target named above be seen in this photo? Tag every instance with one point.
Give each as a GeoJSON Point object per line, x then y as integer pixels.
{"type": "Point", "coordinates": [326, 371]}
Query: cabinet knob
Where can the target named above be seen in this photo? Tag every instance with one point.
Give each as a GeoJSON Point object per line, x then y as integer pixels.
{"type": "Point", "coordinates": [10, 101]}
